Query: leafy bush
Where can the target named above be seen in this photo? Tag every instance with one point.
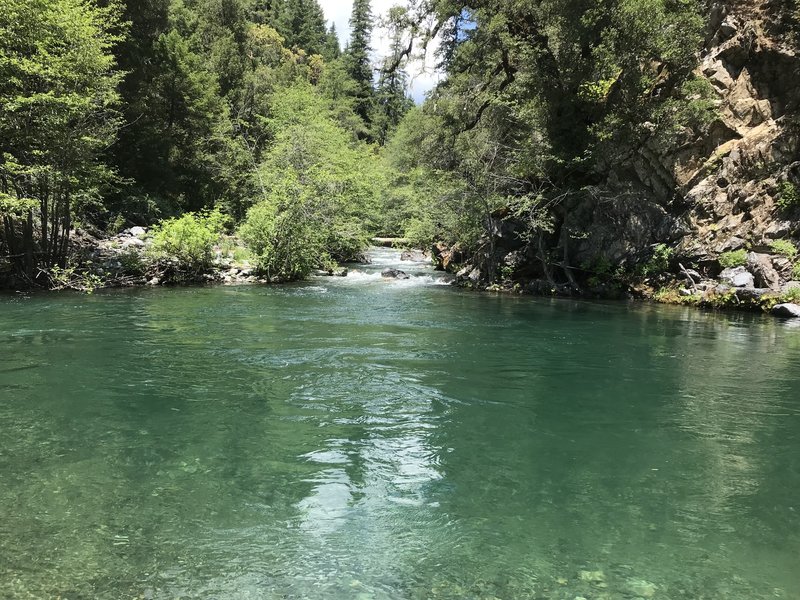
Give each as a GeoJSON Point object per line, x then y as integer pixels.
{"type": "Point", "coordinates": [287, 244]}
{"type": "Point", "coordinates": [735, 258]}
{"type": "Point", "coordinates": [189, 240]}
{"type": "Point", "coordinates": [792, 295]}
{"type": "Point", "coordinates": [784, 248]}
{"type": "Point", "coordinates": [796, 272]}
{"type": "Point", "coordinates": [319, 192]}
{"type": "Point", "coordinates": [659, 261]}
{"type": "Point", "coordinates": [788, 195]}
{"type": "Point", "coordinates": [132, 262]}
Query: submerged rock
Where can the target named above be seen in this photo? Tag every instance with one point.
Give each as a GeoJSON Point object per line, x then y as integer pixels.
{"type": "Point", "coordinates": [394, 274]}
{"type": "Point", "coordinates": [787, 311]}
{"type": "Point", "coordinates": [592, 576]}
{"type": "Point", "coordinates": [641, 588]}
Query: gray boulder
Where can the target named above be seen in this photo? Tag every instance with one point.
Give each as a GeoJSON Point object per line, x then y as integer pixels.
{"type": "Point", "coordinates": [790, 286]}
{"type": "Point", "coordinates": [751, 295]}
{"type": "Point", "coordinates": [413, 256]}
{"type": "Point", "coordinates": [395, 274]}
{"type": "Point", "coordinates": [787, 311]}
{"type": "Point", "coordinates": [738, 277]}
{"type": "Point", "coordinates": [765, 275]}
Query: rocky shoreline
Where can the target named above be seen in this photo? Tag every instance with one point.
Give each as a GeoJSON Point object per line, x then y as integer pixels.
{"type": "Point", "coordinates": [761, 284]}
{"type": "Point", "coordinates": [764, 283]}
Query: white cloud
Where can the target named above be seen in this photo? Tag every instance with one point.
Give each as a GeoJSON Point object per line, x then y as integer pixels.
{"type": "Point", "coordinates": [423, 76]}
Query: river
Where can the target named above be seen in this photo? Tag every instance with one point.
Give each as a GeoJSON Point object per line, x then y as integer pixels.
{"type": "Point", "coordinates": [378, 439]}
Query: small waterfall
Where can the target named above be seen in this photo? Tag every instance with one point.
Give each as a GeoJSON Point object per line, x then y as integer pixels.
{"type": "Point", "coordinates": [420, 272]}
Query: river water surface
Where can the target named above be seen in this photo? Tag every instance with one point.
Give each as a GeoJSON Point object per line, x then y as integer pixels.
{"type": "Point", "coordinates": [370, 439]}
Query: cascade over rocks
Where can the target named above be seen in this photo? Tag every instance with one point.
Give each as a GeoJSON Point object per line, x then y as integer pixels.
{"type": "Point", "coordinates": [394, 274]}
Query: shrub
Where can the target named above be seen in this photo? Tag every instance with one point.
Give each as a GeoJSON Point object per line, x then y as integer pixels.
{"type": "Point", "coordinates": [659, 261]}
{"type": "Point", "coordinates": [788, 195]}
{"type": "Point", "coordinates": [132, 262]}
{"type": "Point", "coordinates": [189, 240]}
{"type": "Point", "coordinates": [796, 272]}
{"type": "Point", "coordinates": [792, 295]}
{"type": "Point", "coordinates": [784, 248]}
{"type": "Point", "coordinates": [735, 258]}
{"type": "Point", "coordinates": [286, 244]}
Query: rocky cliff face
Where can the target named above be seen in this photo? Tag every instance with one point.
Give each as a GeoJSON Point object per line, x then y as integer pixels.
{"type": "Point", "coordinates": [717, 191]}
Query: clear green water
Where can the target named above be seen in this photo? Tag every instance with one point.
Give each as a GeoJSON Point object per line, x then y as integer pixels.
{"type": "Point", "coordinates": [355, 438]}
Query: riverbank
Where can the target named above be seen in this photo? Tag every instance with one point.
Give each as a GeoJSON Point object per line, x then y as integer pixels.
{"type": "Point", "coordinates": [124, 260]}
{"type": "Point", "coordinates": [745, 281]}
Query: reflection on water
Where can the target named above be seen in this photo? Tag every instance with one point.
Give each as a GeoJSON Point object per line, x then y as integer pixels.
{"type": "Point", "coordinates": [367, 438]}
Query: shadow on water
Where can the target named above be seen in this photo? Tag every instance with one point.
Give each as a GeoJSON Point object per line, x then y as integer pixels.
{"type": "Point", "coordinates": [367, 438]}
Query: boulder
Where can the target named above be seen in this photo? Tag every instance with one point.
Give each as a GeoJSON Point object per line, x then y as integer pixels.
{"type": "Point", "coordinates": [394, 274]}
{"type": "Point", "coordinates": [641, 588]}
{"type": "Point", "coordinates": [787, 311]}
{"type": "Point", "coordinates": [738, 277]}
{"type": "Point", "coordinates": [445, 256]}
{"type": "Point", "coordinates": [764, 274]}
{"type": "Point", "coordinates": [413, 255]}
{"type": "Point", "coordinates": [137, 231]}
{"type": "Point", "coordinates": [790, 286]}
{"type": "Point", "coordinates": [133, 242]}
{"type": "Point", "coordinates": [751, 296]}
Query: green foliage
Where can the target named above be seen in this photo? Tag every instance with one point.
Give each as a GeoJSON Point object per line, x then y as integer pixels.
{"type": "Point", "coordinates": [784, 248]}
{"type": "Point", "coordinates": [319, 191]}
{"type": "Point", "coordinates": [58, 93]}
{"type": "Point", "coordinates": [132, 262]}
{"type": "Point", "coordinates": [357, 58]}
{"type": "Point", "coordinates": [796, 272]}
{"type": "Point", "coordinates": [659, 261]}
{"type": "Point", "coordinates": [735, 258]}
{"type": "Point", "coordinates": [72, 278]}
{"type": "Point", "coordinates": [188, 240]}
{"type": "Point", "coordinates": [302, 24]}
{"type": "Point", "coordinates": [788, 196]}
{"type": "Point", "coordinates": [792, 295]}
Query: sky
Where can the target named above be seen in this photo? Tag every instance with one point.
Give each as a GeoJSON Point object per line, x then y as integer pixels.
{"type": "Point", "coordinates": [423, 77]}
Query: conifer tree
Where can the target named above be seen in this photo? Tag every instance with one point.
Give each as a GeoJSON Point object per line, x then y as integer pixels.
{"type": "Point", "coordinates": [302, 24]}
{"type": "Point", "coordinates": [391, 104]}
{"type": "Point", "coordinates": [332, 50]}
{"type": "Point", "coordinates": [358, 57]}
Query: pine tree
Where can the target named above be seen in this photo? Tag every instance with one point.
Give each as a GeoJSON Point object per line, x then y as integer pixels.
{"type": "Point", "coordinates": [302, 24]}
{"type": "Point", "coordinates": [266, 12]}
{"type": "Point", "coordinates": [391, 104]}
{"type": "Point", "coordinates": [358, 56]}
{"type": "Point", "coordinates": [332, 50]}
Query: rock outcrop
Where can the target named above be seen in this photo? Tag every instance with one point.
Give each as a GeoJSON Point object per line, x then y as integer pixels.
{"type": "Point", "coordinates": [679, 205]}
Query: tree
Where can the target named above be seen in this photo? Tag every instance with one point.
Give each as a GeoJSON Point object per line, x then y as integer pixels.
{"type": "Point", "coordinates": [320, 193]}
{"type": "Point", "coordinates": [58, 99]}
{"type": "Point", "coordinates": [391, 101]}
{"type": "Point", "coordinates": [332, 50]}
{"type": "Point", "coordinates": [302, 24]}
{"type": "Point", "coordinates": [359, 65]}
